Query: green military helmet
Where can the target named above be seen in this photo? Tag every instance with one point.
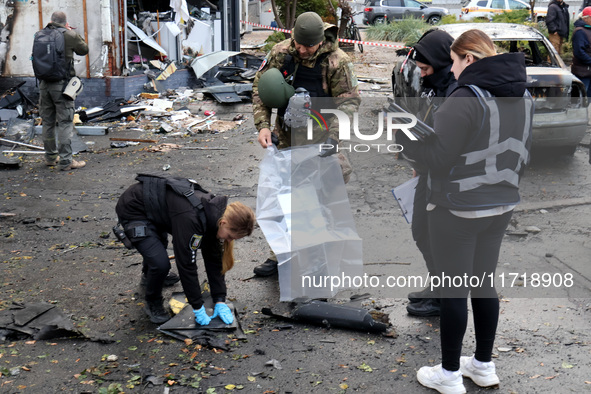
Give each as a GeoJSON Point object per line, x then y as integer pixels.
{"type": "Point", "coordinates": [274, 90]}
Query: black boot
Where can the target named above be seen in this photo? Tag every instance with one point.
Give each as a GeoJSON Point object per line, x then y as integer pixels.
{"type": "Point", "coordinates": [156, 312]}
{"type": "Point", "coordinates": [425, 307]}
{"type": "Point", "coordinates": [417, 296]}
{"type": "Point", "coordinates": [268, 268]}
{"type": "Point", "coordinates": [170, 280]}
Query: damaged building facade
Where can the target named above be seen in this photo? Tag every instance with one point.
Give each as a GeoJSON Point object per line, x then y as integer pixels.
{"type": "Point", "coordinates": [130, 41]}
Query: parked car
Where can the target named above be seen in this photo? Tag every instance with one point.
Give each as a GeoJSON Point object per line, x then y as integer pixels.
{"type": "Point", "coordinates": [560, 118]}
{"type": "Point", "coordinates": [486, 9]}
{"type": "Point", "coordinates": [382, 11]}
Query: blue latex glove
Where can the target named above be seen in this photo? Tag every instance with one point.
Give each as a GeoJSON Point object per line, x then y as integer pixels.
{"type": "Point", "coordinates": [201, 317]}
{"type": "Point", "coordinates": [223, 311]}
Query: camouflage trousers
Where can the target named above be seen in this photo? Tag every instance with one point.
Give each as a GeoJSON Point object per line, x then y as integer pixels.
{"type": "Point", "coordinates": [57, 113]}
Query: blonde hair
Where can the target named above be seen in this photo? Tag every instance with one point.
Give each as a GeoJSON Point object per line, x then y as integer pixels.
{"type": "Point", "coordinates": [240, 219]}
{"type": "Point", "coordinates": [474, 42]}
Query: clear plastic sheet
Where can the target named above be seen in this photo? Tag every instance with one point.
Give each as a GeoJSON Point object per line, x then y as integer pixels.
{"type": "Point", "coordinates": [303, 210]}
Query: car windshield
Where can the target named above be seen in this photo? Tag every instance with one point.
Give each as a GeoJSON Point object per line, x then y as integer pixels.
{"type": "Point", "coordinates": [536, 52]}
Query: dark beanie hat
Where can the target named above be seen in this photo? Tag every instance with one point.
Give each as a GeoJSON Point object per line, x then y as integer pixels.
{"type": "Point", "coordinates": [433, 49]}
{"type": "Point", "coordinates": [419, 57]}
{"type": "Point", "coordinates": [308, 29]}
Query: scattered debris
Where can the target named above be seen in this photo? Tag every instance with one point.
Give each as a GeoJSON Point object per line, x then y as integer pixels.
{"type": "Point", "coordinates": [183, 326]}
{"type": "Point", "coordinates": [532, 229]}
{"type": "Point", "coordinates": [132, 140]}
{"type": "Point", "coordinates": [39, 321]}
{"type": "Point", "coordinates": [274, 363]}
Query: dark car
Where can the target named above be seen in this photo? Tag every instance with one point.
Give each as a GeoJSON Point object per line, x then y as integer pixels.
{"type": "Point", "coordinates": [382, 11]}
{"type": "Point", "coordinates": [560, 118]}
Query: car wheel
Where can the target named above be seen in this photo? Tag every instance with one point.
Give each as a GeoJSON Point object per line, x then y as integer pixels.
{"type": "Point", "coordinates": [379, 20]}
{"type": "Point", "coordinates": [433, 19]}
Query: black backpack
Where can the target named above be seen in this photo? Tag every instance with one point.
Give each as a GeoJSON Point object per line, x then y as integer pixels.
{"type": "Point", "coordinates": [49, 55]}
{"type": "Point", "coordinates": [155, 190]}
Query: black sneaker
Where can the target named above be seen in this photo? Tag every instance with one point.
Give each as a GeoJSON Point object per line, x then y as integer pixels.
{"type": "Point", "coordinates": [268, 268]}
{"type": "Point", "coordinates": [418, 296]}
{"type": "Point", "coordinates": [425, 307]}
{"type": "Point", "coordinates": [156, 312]}
{"type": "Point", "coordinates": [170, 280]}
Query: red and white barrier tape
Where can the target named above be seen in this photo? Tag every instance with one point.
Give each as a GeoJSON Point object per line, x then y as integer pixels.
{"type": "Point", "coordinates": [376, 44]}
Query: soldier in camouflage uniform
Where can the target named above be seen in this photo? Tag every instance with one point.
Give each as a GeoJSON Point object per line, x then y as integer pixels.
{"type": "Point", "coordinates": [310, 59]}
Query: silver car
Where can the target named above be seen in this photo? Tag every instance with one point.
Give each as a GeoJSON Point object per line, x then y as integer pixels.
{"type": "Point", "coordinates": [560, 119]}
{"type": "Point", "coordinates": [382, 11]}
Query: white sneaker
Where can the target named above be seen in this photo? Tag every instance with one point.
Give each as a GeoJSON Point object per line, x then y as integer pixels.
{"type": "Point", "coordinates": [435, 378]}
{"type": "Point", "coordinates": [484, 376]}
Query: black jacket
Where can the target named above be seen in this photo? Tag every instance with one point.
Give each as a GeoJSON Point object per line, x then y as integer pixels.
{"type": "Point", "coordinates": [460, 127]}
{"type": "Point", "coordinates": [581, 66]}
{"type": "Point", "coordinates": [183, 222]}
{"type": "Point", "coordinates": [557, 19]}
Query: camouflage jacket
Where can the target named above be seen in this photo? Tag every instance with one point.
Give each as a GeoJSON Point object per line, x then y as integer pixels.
{"type": "Point", "coordinates": [338, 78]}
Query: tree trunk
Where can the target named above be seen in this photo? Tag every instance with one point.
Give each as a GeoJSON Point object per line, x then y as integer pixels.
{"type": "Point", "coordinates": [276, 13]}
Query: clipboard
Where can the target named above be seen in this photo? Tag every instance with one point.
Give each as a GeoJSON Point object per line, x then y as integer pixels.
{"type": "Point", "coordinates": [405, 196]}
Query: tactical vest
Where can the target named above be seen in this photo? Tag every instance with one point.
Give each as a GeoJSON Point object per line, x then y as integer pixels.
{"type": "Point", "coordinates": [154, 189]}
{"type": "Point", "coordinates": [579, 68]}
{"type": "Point", "coordinates": [305, 77]}
{"type": "Point", "coordinates": [487, 173]}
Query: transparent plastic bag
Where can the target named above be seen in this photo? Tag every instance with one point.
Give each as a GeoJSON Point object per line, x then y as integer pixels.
{"type": "Point", "coordinates": [303, 210]}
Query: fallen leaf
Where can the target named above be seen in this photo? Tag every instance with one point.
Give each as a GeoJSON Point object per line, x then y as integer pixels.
{"type": "Point", "coordinates": [550, 377]}
{"type": "Point", "coordinates": [535, 376]}
{"type": "Point", "coordinates": [188, 341]}
{"type": "Point", "coordinates": [504, 349]}
{"type": "Point", "coordinates": [251, 379]}
{"type": "Point", "coordinates": [230, 387]}
{"type": "Point", "coordinates": [344, 386]}
{"type": "Point", "coordinates": [566, 365]}
{"type": "Point", "coordinates": [365, 368]}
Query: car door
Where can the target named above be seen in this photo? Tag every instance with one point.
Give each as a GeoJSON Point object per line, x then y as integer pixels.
{"type": "Point", "coordinates": [394, 9]}
{"type": "Point", "coordinates": [413, 8]}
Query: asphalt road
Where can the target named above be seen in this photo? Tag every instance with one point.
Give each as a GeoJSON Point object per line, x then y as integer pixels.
{"type": "Point", "coordinates": [53, 251]}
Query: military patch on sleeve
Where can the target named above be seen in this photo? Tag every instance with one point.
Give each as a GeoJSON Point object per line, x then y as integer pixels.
{"type": "Point", "coordinates": [195, 241]}
{"type": "Point", "coordinates": [263, 64]}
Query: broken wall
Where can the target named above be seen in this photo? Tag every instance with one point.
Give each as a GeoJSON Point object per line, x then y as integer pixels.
{"type": "Point", "coordinates": [96, 21]}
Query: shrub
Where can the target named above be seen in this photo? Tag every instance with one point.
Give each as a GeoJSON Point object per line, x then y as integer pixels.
{"type": "Point", "coordinates": [272, 40]}
{"type": "Point", "coordinates": [517, 16]}
{"type": "Point", "coordinates": [405, 30]}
